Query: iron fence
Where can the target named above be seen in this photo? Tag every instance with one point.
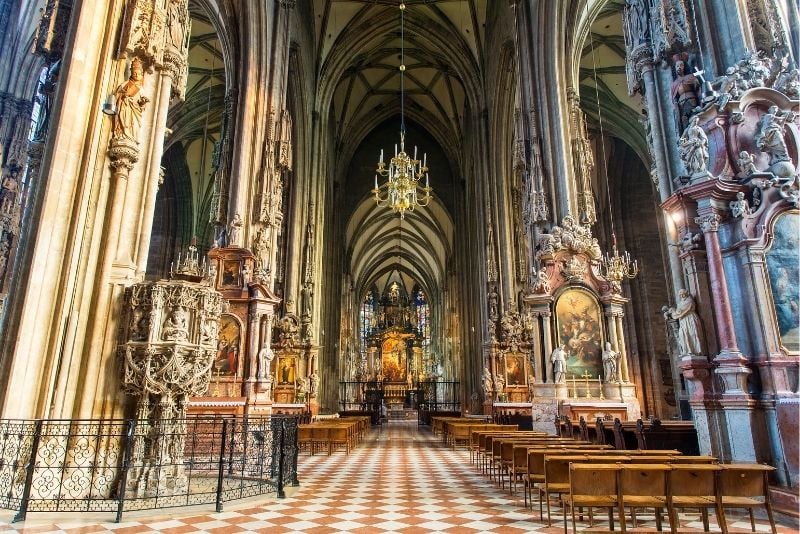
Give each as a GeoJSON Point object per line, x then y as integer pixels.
{"type": "Point", "coordinates": [123, 465]}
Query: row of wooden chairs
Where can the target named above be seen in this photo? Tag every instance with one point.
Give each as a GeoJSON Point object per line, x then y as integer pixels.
{"type": "Point", "coordinates": [673, 487]}
{"type": "Point", "coordinates": [332, 435]}
{"type": "Point", "coordinates": [543, 464]}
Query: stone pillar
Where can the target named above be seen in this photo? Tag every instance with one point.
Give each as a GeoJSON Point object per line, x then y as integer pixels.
{"type": "Point", "coordinates": [548, 344]}
{"type": "Point", "coordinates": [732, 368]}
{"type": "Point", "coordinates": [731, 364]}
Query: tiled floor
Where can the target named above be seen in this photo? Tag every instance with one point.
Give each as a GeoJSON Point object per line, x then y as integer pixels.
{"type": "Point", "coordinates": [399, 479]}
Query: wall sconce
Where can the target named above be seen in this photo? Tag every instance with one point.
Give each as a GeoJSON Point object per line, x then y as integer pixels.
{"type": "Point", "coordinates": [110, 106]}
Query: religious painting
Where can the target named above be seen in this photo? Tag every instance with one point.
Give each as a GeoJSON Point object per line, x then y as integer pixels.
{"type": "Point", "coordinates": [231, 273]}
{"type": "Point", "coordinates": [578, 320]}
{"type": "Point", "coordinates": [286, 371]}
{"type": "Point", "coordinates": [227, 361]}
{"type": "Point", "coordinates": [784, 272]}
{"type": "Point", "coordinates": [393, 360]}
{"type": "Point", "coordinates": [515, 369]}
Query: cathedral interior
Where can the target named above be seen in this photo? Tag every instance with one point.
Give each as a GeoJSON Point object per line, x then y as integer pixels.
{"type": "Point", "coordinates": [593, 208]}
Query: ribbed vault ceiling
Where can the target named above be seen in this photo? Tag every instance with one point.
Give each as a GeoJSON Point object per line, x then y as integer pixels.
{"type": "Point", "coordinates": [380, 243]}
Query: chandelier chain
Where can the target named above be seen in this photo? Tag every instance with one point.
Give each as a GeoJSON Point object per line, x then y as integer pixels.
{"type": "Point", "coordinates": [402, 191]}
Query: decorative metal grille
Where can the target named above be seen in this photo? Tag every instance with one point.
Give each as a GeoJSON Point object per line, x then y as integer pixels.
{"type": "Point", "coordinates": [122, 465]}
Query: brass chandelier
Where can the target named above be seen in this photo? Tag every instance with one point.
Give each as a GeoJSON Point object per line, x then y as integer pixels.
{"type": "Point", "coordinates": [402, 191]}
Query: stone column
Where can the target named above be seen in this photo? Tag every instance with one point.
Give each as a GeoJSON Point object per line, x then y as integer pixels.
{"type": "Point", "coordinates": [548, 344]}
{"type": "Point", "coordinates": [732, 364]}
{"type": "Point", "coordinates": [536, 346]}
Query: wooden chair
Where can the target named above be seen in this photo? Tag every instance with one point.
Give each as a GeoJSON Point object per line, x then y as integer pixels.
{"type": "Point", "coordinates": [303, 437]}
{"type": "Point", "coordinates": [339, 436]}
{"type": "Point", "coordinates": [319, 436]}
{"type": "Point", "coordinates": [594, 486]}
{"type": "Point", "coordinates": [695, 486]}
{"type": "Point", "coordinates": [645, 486]}
{"type": "Point", "coordinates": [745, 486]}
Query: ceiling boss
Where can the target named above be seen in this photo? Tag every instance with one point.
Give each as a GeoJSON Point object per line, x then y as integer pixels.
{"type": "Point", "coordinates": [402, 191]}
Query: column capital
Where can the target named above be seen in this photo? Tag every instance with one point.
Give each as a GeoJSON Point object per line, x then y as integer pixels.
{"type": "Point", "coordinates": [123, 153]}
{"type": "Point", "coordinates": [709, 222]}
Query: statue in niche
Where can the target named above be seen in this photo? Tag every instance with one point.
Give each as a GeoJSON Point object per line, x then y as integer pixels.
{"type": "Point", "coordinates": [208, 331]}
{"type": "Point", "coordinates": [44, 97]}
{"type": "Point", "coordinates": [542, 283]}
{"type": "Point", "coordinates": [140, 325]}
{"type": "Point", "coordinates": [531, 389]}
{"type": "Point", "coordinates": [175, 20]}
{"type": "Point", "coordinates": [307, 299]}
{"type": "Point", "coordinates": [10, 188]}
{"type": "Point", "coordinates": [313, 384]}
{"type": "Point", "coordinates": [235, 231]}
{"type": "Point", "coordinates": [610, 359]}
{"type": "Point", "coordinates": [4, 250]}
{"type": "Point", "coordinates": [494, 313]}
{"type": "Point", "coordinates": [689, 325]}
{"type": "Point", "coordinates": [302, 389]}
{"type": "Point", "coordinates": [636, 22]}
{"type": "Point", "coordinates": [769, 137]}
{"type": "Point", "coordinates": [130, 104]}
{"type": "Point", "coordinates": [693, 147]}
{"type": "Point", "coordinates": [488, 383]}
{"type": "Point", "coordinates": [559, 360]}
{"type": "Point", "coordinates": [740, 207]}
{"type": "Point", "coordinates": [176, 327]}
{"type": "Point", "coordinates": [684, 93]}
{"type": "Point", "coordinates": [265, 357]}
{"type": "Point", "coordinates": [500, 384]}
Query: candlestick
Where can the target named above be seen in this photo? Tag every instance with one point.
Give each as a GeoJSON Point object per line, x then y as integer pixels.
{"type": "Point", "coordinates": [600, 387]}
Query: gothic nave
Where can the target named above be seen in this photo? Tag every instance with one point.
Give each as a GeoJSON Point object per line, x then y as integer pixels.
{"type": "Point", "coordinates": [217, 212]}
{"type": "Point", "coordinates": [400, 479]}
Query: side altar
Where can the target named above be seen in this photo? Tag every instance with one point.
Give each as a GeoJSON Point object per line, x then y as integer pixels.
{"type": "Point", "coordinates": [562, 348]}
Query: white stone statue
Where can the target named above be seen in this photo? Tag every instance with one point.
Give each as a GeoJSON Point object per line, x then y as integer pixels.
{"type": "Point", "coordinates": [302, 389]}
{"type": "Point", "coordinates": [488, 383]}
{"type": "Point", "coordinates": [235, 231]}
{"type": "Point", "coordinates": [610, 359]}
{"type": "Point", "coordinates": [559, 360]}
{"type": "Point", "coordinates": [740, 207]}
{"type": "Point", "coordinates": [693, 147]}
{"type": "Point", "coordinates": [313, 384]}
{"type": "Point", "coordinates": [500, 384]}
{"type": "Point", "coordinates": [265, 357]}
{"type": "Point", "coordinates": [531, 390]}
{"type": "Point", "coordinates": [689, 325]}
{"type": "Point", "coordinates": [176, 327]}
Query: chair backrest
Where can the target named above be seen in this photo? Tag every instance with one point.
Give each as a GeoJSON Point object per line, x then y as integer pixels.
{"type": "Point", "coordinates": [593, 479]}
{"type": "Point", "coordinates": [744, 480]}
{"type": "Point", "coordinates": [693, 480]}
{"type": "Point", "coordinates": [644, 479]}
{"type": "Point", "coordinates": [556, 468]}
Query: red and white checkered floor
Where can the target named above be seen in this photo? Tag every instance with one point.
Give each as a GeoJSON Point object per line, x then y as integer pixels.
{"type": "Point", "coordinates": [400, 479]}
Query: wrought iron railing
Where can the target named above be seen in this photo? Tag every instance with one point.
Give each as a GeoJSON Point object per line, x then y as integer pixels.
{"type": "Point", "coordinates": [122, 465]}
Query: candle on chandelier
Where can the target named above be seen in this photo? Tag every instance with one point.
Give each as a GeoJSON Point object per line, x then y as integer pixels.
{"type": "Point", "coordinates": [381, 160]}
{"type": "Point", "coordinates": [426, 179]}
{"type": "Point", "coordinates": [395, 150]}
{"type": "Point", "coordinates": [376, 181]}
{"type": "Point", "coordinates": [415, 152]}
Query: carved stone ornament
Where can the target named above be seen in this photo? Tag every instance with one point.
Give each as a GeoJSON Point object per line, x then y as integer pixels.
{"type": "Point", "coordinates": [541, 282]}
{"type": "Point", "coordinates": [708, 223]}
{"type": "Point", "coordinates": [168, 346]}
{"type": "Point", "coordinates": [570, 236]}
{"type": "Point", "coordinates": [769, 138]}
{"type": "Point", "coordinates": [289, 330]}
{"type": "Point", "coordinates": [740, 207]}
{"type": "Point", "coordinates": [512, 327]}
{"type": "Point", "coordinates": [574, 269]}
{"type": "Point", "coordinates": [690, 241]}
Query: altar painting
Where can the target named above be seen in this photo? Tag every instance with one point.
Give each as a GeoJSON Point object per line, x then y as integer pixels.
{"type": "Point", "coordinates": [784, 271]}
{"type": "Point", "coordinates": [578, 320]}
{"type": "Point", "coordinates": [393, 360]}
{"type": "Point", "coordinates": [515, 369]}
{"type": "Point", "coordinates": [227, 360]}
